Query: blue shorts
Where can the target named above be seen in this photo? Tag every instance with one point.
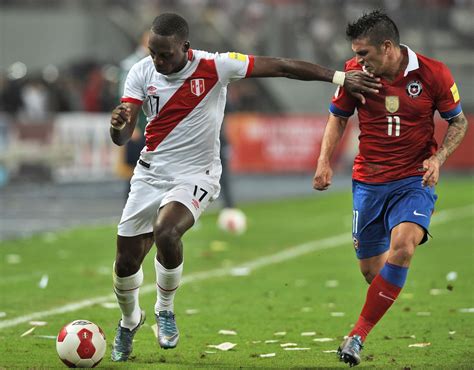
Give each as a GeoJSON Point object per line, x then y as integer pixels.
{"type": "Point", "coordinates": [378, 208]}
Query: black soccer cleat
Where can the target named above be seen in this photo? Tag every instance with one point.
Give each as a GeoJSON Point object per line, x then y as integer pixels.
{"type": "Point", "coordinates": [349, 350]}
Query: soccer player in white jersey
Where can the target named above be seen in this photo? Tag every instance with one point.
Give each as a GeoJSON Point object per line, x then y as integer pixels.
{"type": "Point", "coordinates": [183, 93]}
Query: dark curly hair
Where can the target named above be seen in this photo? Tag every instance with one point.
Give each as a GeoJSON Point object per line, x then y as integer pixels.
{"type": "Point", "coordinates": [170, 24]}
{"type": "Point", "coordinates": [377, 26]}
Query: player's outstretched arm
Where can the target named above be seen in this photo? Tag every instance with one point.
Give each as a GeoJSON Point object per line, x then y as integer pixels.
{"type": "Point", "coordinates": [356, 82]}
{"type": "Point", "coordinates": [456, 131]}
{"type": "Point", "coordinates": [332, 135]}
{"type": "Point", "coordinates": [123, 121]}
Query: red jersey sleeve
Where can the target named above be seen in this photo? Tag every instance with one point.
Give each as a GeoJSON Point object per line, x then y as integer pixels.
{"type": "Point", "coordinates": [447, 98]}
{"type": "Point", "coordinates": [343, 104]}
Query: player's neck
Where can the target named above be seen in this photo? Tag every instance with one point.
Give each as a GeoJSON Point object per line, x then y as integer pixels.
{"type": "Point", "coordinates": [400, 62]}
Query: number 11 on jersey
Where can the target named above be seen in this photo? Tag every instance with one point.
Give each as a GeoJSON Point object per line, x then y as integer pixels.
{"type": "Point", "coordinates": [391, 121]}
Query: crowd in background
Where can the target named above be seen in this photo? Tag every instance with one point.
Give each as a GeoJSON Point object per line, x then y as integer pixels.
{"type": "Point", "coordinates": [305, 29]}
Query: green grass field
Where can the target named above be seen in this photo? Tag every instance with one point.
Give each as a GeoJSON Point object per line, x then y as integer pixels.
{"type": "Point", "coordinates": [294, 292]}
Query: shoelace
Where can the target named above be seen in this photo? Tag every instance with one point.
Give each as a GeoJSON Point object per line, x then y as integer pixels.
{"type": "Point", "coordinates": [167, 322]}
{"type": "Point", "coordinates": [355, 344]}
{"type": "Point", "coordinates": [122, 334]}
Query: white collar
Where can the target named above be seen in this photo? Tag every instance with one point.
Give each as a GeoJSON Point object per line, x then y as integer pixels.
{"type": "Point", "coordinates": [412, 61]}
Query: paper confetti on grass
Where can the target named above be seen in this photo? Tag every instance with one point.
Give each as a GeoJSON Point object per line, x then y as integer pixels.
{"type": "Point", "coordinates": [323, 339]}
{"type": "Point", "coordinates": [3, 314]}
{"type": "Point", "coordinates": [280, 333]}
{"type": "Point", "coordinates": [452, 332]}
{"type": "Point", "coordinates": [283, 345]}
{"type": "Point", "coordinates": [308, 333]}
{"type": "Point", "coordinates": [218, 246]}
{"type": "Point", "coordinates": [38, 323]}
{"type": "Point", "coordinates": [271, 341]}
{"type": "Point", "coordinates": [466, 310]}
{"type": "Point", "coordinates": [332, 284]}
{"type": "Point", "coordinates": [407, 337]}
{"type": "Point", "coordinates": [240, 271]}
{"type": "Point", "coordinates": [452, 276]}
{"type": "Point", "coordinates": [419, 345]}
{"type": "Point", "coordinates": [306, 309]}
{"type": "Point", "coordinates": [28, 332]}
{"type": "Point", "coordinates": [423, 314]}
{"type": "Point", "coordinates": [46, 336]}
{"type": "Point", "coordinates": [266, 355]}
{"type": "Point", "coordinates": [227, 332]}
{"type": "Point", "coordinates": [297, 349]}
{"type": "Point", "coordinates": [191, 311]}
{"type": "Point", "coordinates": [330, 351]}
{"type": "Point", "coordinates": [13, 259]}
{"type": "Point", "coordinates": [154, 328]}
{"type": "Point", "coordinates": [43, 283]}
{"type": "Point", "coordinates": [437, 291]}
{"type": "Point", "coordinates": [337, 314]}
{"type": "Point", "coordinates": [223, 346]}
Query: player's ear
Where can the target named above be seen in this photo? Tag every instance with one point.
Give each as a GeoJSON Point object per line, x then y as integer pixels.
{"type": "Point", "coordinates": [387, 46]}
{"type": "Point", "coordinates": [186, 46]}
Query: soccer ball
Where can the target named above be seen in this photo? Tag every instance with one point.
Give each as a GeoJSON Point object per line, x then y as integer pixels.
{"type": "Point", "coordinates": [81, 343]}
{"type": "Point", "coordinates": [232, 220]}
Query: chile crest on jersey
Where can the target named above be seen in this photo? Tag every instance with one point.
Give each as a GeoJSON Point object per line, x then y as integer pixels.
{"type": "Point", "coordinates": [414, 89]}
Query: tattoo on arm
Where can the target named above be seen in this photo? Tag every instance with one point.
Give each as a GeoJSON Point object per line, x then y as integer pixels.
{"type": "Point", "coordinates": [456, 130]}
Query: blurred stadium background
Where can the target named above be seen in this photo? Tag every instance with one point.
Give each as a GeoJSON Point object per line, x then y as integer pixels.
{"type": "Point", "coordinates": [59, 77]}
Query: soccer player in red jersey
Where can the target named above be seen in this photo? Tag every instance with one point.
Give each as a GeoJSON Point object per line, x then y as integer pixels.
{"type": "Point", "coordinates": [398, 163]}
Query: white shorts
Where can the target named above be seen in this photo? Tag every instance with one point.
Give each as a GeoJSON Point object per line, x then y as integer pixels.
{"type": "Point", "coordinates": [149, 193]}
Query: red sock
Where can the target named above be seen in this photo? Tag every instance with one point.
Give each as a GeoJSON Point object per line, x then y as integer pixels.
{"type": "Point", "coordinates": [380, 296]}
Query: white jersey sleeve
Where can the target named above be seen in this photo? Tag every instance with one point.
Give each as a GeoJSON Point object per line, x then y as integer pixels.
{"type": "Point", "coordinates": [233, 66]}
{"type": "Point", "coordinates": [135, 83]}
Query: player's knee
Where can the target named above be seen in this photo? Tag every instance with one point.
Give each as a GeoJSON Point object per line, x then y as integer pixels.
{"type": "Point", "coordinates": [166, 237]}
{"type": "Point", "coordinates": [126, 265]}
{"type": "Point", "coordinates": [369, 275]}
{"type": "Point", "coordinates": [402, 252]}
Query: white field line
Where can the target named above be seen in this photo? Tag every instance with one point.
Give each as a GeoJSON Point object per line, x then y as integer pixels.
{"type": "Point", "coordinates": [287, 254]}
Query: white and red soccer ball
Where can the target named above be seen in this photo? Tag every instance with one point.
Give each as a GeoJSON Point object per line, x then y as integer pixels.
{"type": "Point", "coordinates": [81, 343]}
{"type": "Point", "coordinates": [232, 220]}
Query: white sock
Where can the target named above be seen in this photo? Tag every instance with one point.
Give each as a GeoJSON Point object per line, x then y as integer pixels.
{"type": "Point", "coordinates": [167, 282]}
{"type": "Point", "coordinates": [126, 289]}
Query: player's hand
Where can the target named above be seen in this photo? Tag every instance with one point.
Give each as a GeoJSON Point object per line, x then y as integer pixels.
{"type": "Point", "coordinates": [359, 82]}
{"type": "Point", "coordinates": [431, 168]}
{"type": "Point", "coordinates": [323, 176]}
{"type": "Point", "coordinates": [120, 117]}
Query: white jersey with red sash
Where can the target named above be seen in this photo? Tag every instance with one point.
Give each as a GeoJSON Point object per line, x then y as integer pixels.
{"type": "Point", "coordinates": [185, 110]}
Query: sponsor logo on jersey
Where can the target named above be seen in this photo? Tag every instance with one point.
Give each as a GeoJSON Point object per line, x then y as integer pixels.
{"type": "Point", "coordinates": [414, 89]}
{"type": "Point", "coordinates": [151, 90]}
{"type": "Point", "coordinates": [455, 92]}
{"type": "Point", "coordinates": [197, 86]}
{"type": "Point", "coordinates": [195, 203]}
{"type": "Point", "coordinates": [238, 56]}
{"type": "Point", "coordinates": [392, 103]}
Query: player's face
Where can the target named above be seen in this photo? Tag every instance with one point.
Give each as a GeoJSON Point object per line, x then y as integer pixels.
{"type": "Point", "coordinates": [169, 53]}
{"type": "Point", "coordinates": [371, 57]}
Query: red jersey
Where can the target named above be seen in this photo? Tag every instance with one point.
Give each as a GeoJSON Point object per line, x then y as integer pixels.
{"type": "Point", "coordinates": [396, 125]}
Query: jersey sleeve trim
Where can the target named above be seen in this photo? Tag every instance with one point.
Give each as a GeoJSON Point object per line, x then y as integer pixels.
{"type": "Point", "coordinates": [250, 66]}
{"type": "Point", "coordinates": [452, 113]}
{"type": "Point", "coordinates": [131, 100]}
{"type": "Point", "coordinates": [339, 112]}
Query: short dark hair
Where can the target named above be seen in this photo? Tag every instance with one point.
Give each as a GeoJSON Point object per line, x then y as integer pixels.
{"type": "Point", "coordinates": [170, 24]}
{"type": "Point", "coordinates": [377, 26]}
